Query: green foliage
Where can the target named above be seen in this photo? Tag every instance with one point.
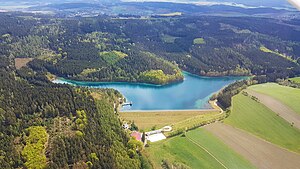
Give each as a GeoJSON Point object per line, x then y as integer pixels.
{"type": "Point", "coordinates": [113, 56]}
{"type": "Point", "coordinates": [145, 163]}
{"type": "Point", "coordinates": [70, 48]}
{"type": "Point", "coordinates": [79, 133]}
{"type": "Point", "coordinates": [34, 150]}
{"type": "Point", "coordinates": [90, 164]}
{"type": "Point", "coordinates": [194, 122]}
{"type": "Point", "coordinates": [135, 144]}
{"type": "Point", "coordinates": [81, 120]}
{"type": "Point", "coordinates": [133, 127]}
{"type": "Point", "coordinates": [143, 137]}
{"type": "Point", "coordinates": [94, 156]}
{"type": "Point", "coordinates": [59, 107]}
{"type": "Point", "coordinates": [30, 46]}
{"type": "Point", "coordinates": [199, 41]}
{"type": "Point", "coordinates": [159, 77]}
{"type": "Point", "coordinates": [225, 95]}
{"type": "Point", "coordinates": [166, 164]}
{"type": "Point", "coordinates": [295, 79]}
{"type": "Point", "coordinates": [168, 39]}
{"type": "Point", "coordinates": [264, 49]}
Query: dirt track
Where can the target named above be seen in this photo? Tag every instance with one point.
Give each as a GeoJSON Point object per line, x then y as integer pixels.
{"type": "Point", "coordinates": [277, 107]}
{"type": "Point", "coordinates": [260, 153]}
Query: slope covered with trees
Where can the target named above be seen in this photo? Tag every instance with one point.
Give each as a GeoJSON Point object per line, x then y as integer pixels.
{"type": "Point", "coordinates": [57, 126]}
{"type": "Point", "coordinates": [111, 49]}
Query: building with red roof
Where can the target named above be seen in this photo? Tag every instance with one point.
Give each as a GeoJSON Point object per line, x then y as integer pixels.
{"type": "Point", "coordinates": [136, 135]}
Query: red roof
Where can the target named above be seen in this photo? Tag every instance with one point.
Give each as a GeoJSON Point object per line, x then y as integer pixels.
{"type": "Point", "coordinates": [136, 135]}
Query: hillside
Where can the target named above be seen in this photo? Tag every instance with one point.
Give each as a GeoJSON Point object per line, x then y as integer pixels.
{"type": "Point", "coordinates": [45, 125]}
{"type": "Point", "coordinates": [152, 50]}
{"type": "Point", "coordinates": [48, 125]}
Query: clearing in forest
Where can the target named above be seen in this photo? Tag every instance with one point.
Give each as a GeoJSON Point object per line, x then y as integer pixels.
{"type": "Point", "coordinates": [20, 62]}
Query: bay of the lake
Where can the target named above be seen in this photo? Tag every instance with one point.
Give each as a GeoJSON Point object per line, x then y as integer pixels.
{"type": "Point", "coordinates": [193, 93]}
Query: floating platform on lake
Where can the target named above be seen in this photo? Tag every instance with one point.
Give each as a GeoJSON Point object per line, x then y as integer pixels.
{"type": "Point", "coordinates": [127, 104]}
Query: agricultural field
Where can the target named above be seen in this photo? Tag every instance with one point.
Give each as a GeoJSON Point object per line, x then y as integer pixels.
{"type": "Point", "coordinates": [287, 95]}
{"type": "Point", "coordinates": [295, 79]}
{"type": "Point", "coordinates": [253, 117]}
{"type": "Point", "coordinates": [260, 153]}
{"type": "Point", "coordinates": [199, 149]}
{"type": "Point", "coordinates": [148, 120]}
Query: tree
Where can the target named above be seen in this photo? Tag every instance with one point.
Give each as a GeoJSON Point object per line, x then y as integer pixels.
{"type": "Point", "coordinates": [134, 127]}
{"type": "Point", "coordinates": [143, 137]}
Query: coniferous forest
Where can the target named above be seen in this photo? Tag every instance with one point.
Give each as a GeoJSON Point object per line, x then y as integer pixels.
{"type": "Point", "coordinates": [73, 127]}
{"type": "Point", "coordinates": [153, 50]}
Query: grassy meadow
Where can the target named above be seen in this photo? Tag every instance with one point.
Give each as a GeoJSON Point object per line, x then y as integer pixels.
{"type": "Point", "coordinates": [194, 122]}
{"type": "Point", "coordinates": [257, 119]}
{"type": "Point", "coordinates": [148, 120]}
{"type": "Point", "coordinates": [295, 79]}
{"type": "Point", "coordinates": [287, 95]}
{"type": "Point", "coordinates": [182, 150]}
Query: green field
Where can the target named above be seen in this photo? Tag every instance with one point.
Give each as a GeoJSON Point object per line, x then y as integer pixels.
{"type": "Point", "coordinates": [195, 122]}
{"type": "Point", "coordinates": [287, 95]}
{"type": "Point", "coordinates": [182, 150]}
{"type": "Point", "coordinates": [295, 79]}
{"type": "Point", "coordinates": [257, 119]}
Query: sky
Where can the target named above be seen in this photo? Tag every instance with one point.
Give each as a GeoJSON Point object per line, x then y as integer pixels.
{"type": "Point", "coordinates": [241, 3]}
{"type": "Point", "coordinates": [296, 3]}
{"type": "Point", "coordinates": [246, 3]}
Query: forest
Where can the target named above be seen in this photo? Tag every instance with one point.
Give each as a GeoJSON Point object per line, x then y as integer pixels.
{"type": "Point", "coordinates": [111, 49]}
{"type": "Point", "coordinates": [59, 126]}
{"type": "Point", "coordinates": [46, 125]}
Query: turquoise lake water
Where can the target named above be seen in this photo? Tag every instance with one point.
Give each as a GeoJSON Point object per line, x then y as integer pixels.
{"type": "Point", "coordinates": [193, 93]}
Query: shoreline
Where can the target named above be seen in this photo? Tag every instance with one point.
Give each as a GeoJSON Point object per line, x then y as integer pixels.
{"type": "Point", "coordinates": [62, 80]}
{"type": "Point", "coordinates": [169, 110]}
{"type": "Point", "coordinates": [213, 104]}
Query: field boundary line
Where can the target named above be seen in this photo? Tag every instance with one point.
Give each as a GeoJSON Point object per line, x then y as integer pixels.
{"type": "Point", "coordinates": [199, 145]}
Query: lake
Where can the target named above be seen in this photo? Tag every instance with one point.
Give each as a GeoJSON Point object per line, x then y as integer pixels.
{"type": "Point", "coordinates": [193, 93]}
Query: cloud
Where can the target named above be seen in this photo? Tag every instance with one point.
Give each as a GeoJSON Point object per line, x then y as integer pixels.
{"type": "Point", "coordinates": [295, 3]}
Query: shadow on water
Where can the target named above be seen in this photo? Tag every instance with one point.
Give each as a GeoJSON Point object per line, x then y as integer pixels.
{"type": "Point", "coordinates": [192, 93]}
